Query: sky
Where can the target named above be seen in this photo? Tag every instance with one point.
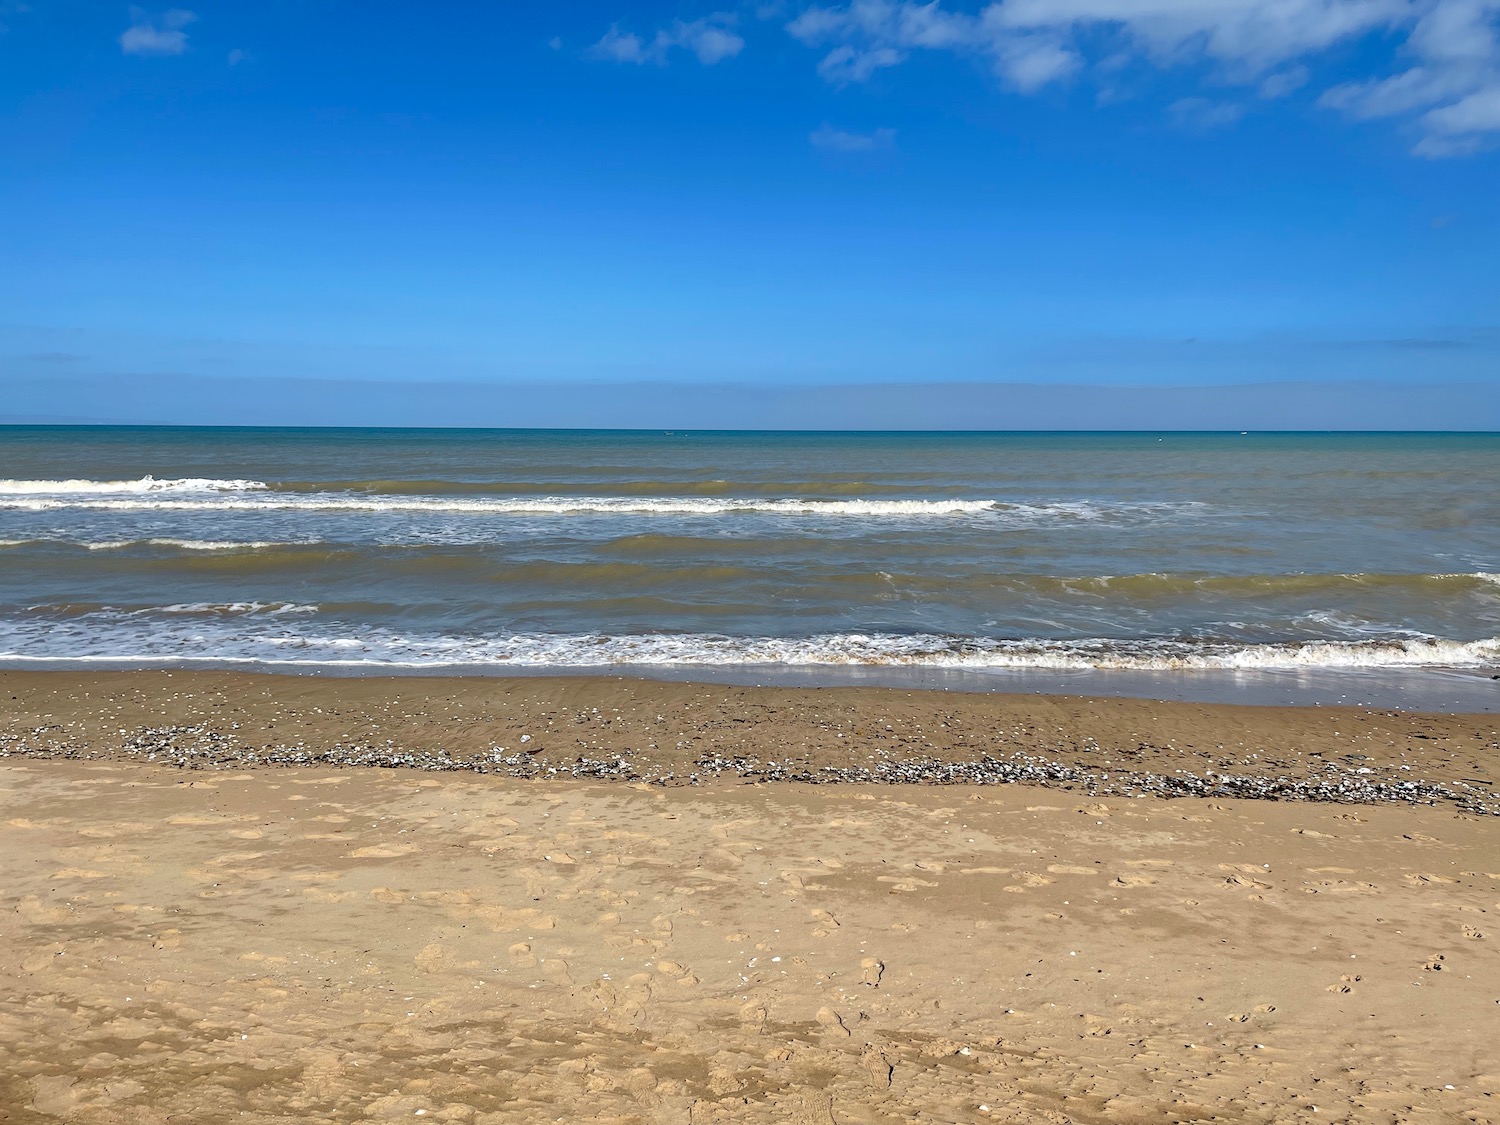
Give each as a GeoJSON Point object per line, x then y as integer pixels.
{"type": "Point", "coordinates": [567, 197]}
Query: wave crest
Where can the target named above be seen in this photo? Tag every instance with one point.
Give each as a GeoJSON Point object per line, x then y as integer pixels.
{"type": "Point", "coordinates": [287, 633]}
{"type": "Point", "coordinates": [144, 485]}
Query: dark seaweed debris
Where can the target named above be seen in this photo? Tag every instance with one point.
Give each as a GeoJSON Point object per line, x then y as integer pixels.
{"type": "Point", "coordinates": [199, 747]}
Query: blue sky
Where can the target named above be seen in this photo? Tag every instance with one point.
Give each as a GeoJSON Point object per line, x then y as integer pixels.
{"type": "Point", "coordinates": [1023, 191]}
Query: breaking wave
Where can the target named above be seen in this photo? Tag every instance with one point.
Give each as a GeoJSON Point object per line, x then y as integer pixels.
{"type": "Point", "coordinates": [193, 494]}
{"type": "Point", "coordinates": [274, 634]}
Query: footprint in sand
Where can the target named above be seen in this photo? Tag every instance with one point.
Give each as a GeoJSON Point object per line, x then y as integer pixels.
{"type": "Point", "coordinates": [1071, 869]}
{"type": "Point", "coordinates": [874, 1063]}
{"type": "Point", "coordinates": [1471, 932]}
{"type": "Point", "coordinates": [1246, 881]}
{"type": "Point", "coordinates": [501, 920]}
{"type": "Point", "coordinates": [521, 956]}
{"type": "Point", "coordinates": [825, 923]}
{"type": "Point", "coordinates": [34, 910]}
{"type": "Point", "coordinates": [1132, 881]}
{"type": "Point", "coordinates": [1149, 863]}
{"type": "Point", "coordinates": [44, 958]}
{"type": "Point", "coordinates": [109, 831]}
{"type": "Point", "coordinates": [382, 851]}
{"type": "Point", "coordinates": [871, 970]}
{"type": "Point", "coordinates": [1032, 879]}
{"type": "Point", "coordinates": [1346, 983]}
{"type": "Point", "coordinates": [832, 1022]}
{"type": "Point", "coordinates": [678, 973]}
{"type": "Point", "coordinates": [54, 1096]}
{"type": "Point", "coordinates": [906, 884]}
{"type": "Point", "coordinates": [322, 894]}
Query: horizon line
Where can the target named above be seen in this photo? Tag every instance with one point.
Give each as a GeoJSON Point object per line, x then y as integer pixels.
{"type": "Point", "coordinates": [674, 430]}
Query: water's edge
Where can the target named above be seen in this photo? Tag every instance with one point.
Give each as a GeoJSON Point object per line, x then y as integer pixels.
{"type": "Point", "coordinates": [1432, 691]}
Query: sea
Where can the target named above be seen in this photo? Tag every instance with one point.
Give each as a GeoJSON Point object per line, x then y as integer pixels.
{"type": "Point", "coordinates": [980, 560]}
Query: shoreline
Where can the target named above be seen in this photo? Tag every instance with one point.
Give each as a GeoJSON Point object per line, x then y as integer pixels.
{"type": "Point", "coordinates": [692, 733]}
{"type": "Point", "coordinates": [1469, 690]}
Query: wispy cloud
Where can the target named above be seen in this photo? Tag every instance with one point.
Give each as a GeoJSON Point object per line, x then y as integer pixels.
{"type": "Point", "coordinates": [829, 139]}
{"type": "Point", "coordinates": [1453, 84]}
{"type": "Point", "coordinates": [711, 39]}
{"type": "Point", "coordinates": [1450, 91]}
{"type": "Point", "coordinates": [158, 35]}
{"type": "Point", "coordinates": [1199, 115]}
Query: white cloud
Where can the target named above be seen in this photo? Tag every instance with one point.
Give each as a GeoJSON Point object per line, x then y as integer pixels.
{"type": "Point", "coordinates": [830, 139]}
{"type": "Point", "coordinates": [1463, 127]}
{"type": "Point", "coordinates": [162, 35]}
{"type": "Point", "coordinates": [1283, 82]}
{"type": "Point", "coordinates": [621, 46]}
{"type": "Point", "coordinates": [1201, 114]}
{"type": "Point", "coordinates": [1454, 80]}
{"type": "Point", "coordinates": [1030, 62]}
{"type": "Point", "coordinates": [1250, 36]}
{"type": "Point", "coordinates": [847, 64]}
{"type": "Point", "coordinates": [1453, 47]}
{"type": "Point", "coordinates": [710, 39]}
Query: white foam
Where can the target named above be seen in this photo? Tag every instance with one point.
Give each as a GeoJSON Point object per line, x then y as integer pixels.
{"type": "Point", "coordinates": [147, 484]}
{"type": "Point", "coordinates": [538, 506]}
{"type": "Point", "coordinates": [191, 544]}
{"type": "Point", "coordinates": [273, 501]}
{"type": "Point", "coordinates": [179, 544]}
{"type": "Point", "coordinates": [231, 608]}
{"type": "Point", "coordinates": [257, 632]}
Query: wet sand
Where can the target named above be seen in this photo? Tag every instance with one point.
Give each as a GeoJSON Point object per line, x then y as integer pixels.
{"type": "Point", "coordinates": [684, 733]}
{"type": "Point", "coordinates": [304, 943]}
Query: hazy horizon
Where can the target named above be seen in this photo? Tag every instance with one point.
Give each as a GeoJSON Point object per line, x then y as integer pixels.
{"type": "Point", "coordinates": [1355, 406]}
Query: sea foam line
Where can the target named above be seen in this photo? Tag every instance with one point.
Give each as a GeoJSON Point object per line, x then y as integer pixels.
{"type": "Point", "coordinates": [249, 632]}
{"type": "Point", "coordinates": [541, 506]}
{"type": "Point", "coordinates": [146, 484]}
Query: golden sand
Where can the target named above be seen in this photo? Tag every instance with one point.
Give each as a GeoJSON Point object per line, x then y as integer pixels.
{"type": "Point", "coordinates": [310, 944]}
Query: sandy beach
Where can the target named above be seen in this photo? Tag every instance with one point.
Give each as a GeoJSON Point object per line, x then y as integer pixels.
{"type": "Point", "coordinates": [337, 944]}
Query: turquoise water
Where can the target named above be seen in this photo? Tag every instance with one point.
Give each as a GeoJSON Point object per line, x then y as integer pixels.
{"type": "Point", "coordinates": [443, 548]}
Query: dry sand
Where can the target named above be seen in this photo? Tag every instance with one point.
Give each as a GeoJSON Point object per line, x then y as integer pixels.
{"type": "Point", "coordinates": [309, 944]}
